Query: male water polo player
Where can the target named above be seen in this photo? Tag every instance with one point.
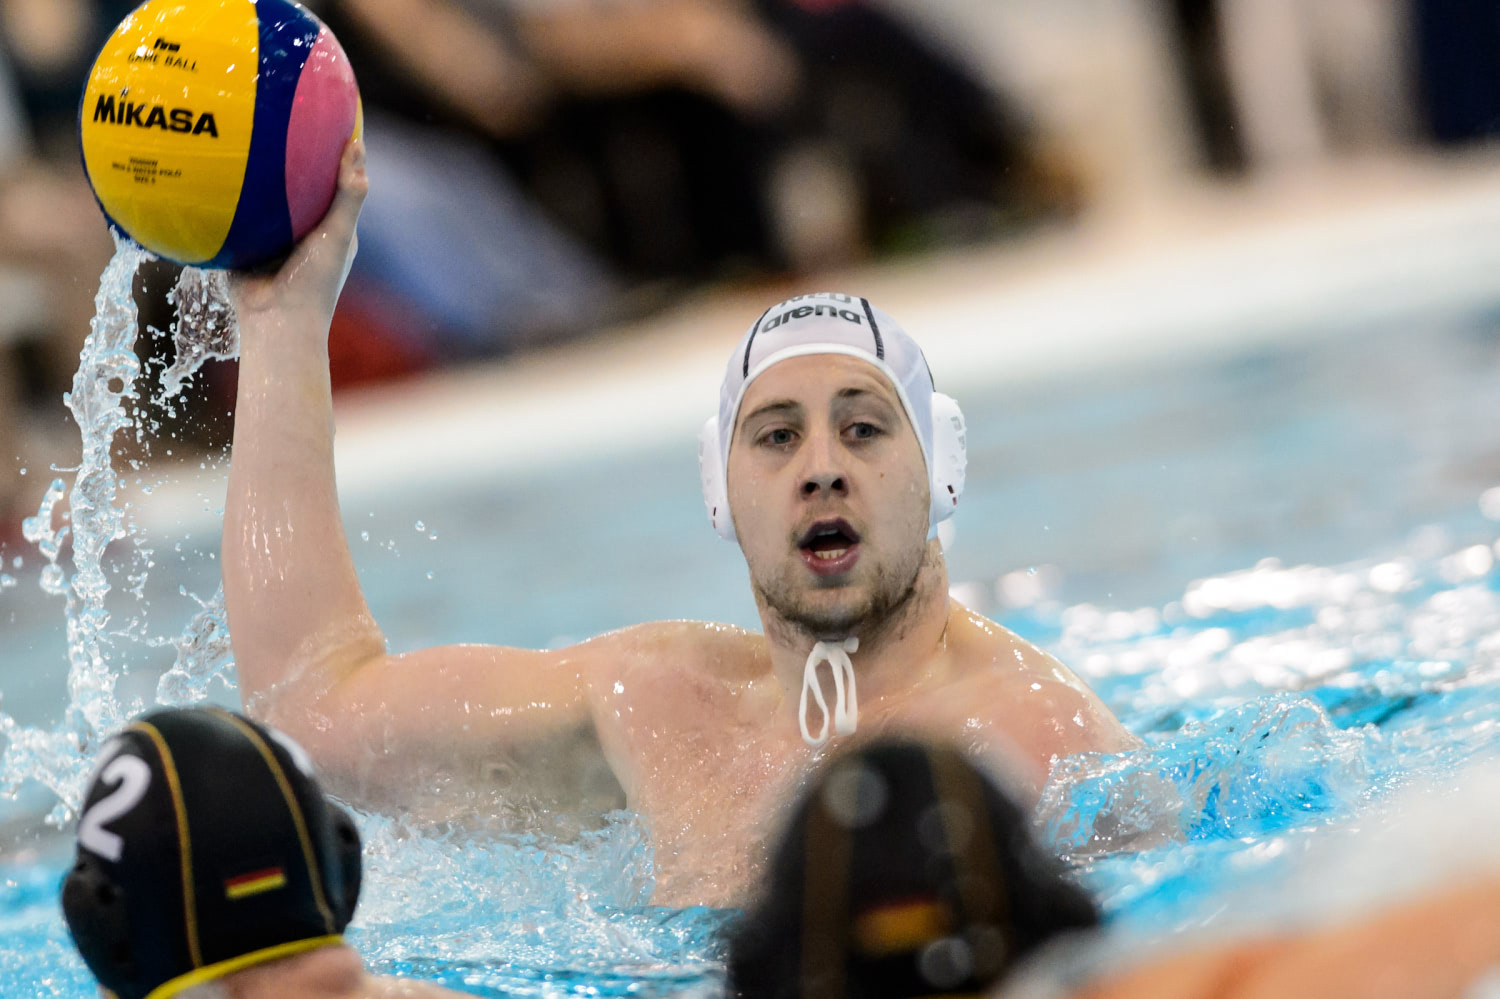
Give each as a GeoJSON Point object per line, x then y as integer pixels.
{"type": "Point", "coordinates": [905, 872]}
{"type": "Point", "coordinates": [831, 463]}
{"type": "Point", "coordinates": [210, 866]}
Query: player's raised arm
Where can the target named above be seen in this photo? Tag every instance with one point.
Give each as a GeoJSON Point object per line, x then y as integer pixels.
{"type": "Point", "coordinates": [310, 656]}
{"type": "Point", "coordinates": [296, 611]}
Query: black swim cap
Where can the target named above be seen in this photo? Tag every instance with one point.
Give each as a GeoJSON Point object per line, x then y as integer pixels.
{"type": "Point", "coordinates": [205, 845]}
{"type": "Point", "coordinates": [905, 872]}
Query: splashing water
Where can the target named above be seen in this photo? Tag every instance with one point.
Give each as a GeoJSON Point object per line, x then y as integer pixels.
{"type": "Point", "coordinates": [525, 915]}
{"type": "Point", "coordinates": [203, 654]}
{"type": "Point", "coordinates": [105, 379]}
{"type": "Point", "coordinates": [205, 329]}
{"type": "Point", "coordinates": [39, 531]}
{"type": "Point", "coordinates": [102, 402]}
{"type": "Point", "coordinates": [1283, 707]}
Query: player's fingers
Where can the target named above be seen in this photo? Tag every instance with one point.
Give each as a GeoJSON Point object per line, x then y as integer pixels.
{"type": "Point", "coordinates": [354, 184]}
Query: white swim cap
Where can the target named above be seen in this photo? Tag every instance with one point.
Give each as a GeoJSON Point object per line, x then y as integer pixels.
{"type": "Point", "coordinates": [827, 323]}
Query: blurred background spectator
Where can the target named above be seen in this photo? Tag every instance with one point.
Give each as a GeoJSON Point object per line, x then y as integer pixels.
{"type": "Point", "coordinates": [543, 168]}
{"type": "Point", "coordinates": [544, 165]}
{"type": "Point", "coordinates": [1275, 84]}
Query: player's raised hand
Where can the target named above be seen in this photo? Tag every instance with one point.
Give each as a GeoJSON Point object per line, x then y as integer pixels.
{"type": "Point", "coordinates": [307, 285]}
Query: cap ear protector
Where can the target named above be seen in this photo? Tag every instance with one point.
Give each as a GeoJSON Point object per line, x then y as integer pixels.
{"type": "Point", "coordinates": [349, 852]}
{"type": "Point", "coordinates": [946, 467]}
{"type": "Point", "coordinates": [711, 474]}
{"type": "Point", "coordinates": [96, 912]}
{"type": "Point", "coordinates": [950, 457]}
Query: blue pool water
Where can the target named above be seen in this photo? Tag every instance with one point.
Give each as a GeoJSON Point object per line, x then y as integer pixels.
{"type": "Point", "coordinates": [1277, 567]}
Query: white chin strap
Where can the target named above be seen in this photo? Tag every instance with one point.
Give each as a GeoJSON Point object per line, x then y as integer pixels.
{"type": "Point", "coordinates": [845, 703]}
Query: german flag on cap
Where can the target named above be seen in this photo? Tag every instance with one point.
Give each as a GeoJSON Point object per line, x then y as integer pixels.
{"type": "Point", "coordinates": [268, 879]}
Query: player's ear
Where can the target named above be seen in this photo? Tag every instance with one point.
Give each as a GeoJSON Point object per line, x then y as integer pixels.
{"type": "Point", "coordinates": [94, 907]}
{"type": "Point", "coordinates": [350, 862]}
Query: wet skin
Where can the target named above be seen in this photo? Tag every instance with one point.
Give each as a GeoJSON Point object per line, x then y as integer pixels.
{"type": "Point", "coordinates": [329, 973]}
{"type": "Point", "coordinates": [697, 722]}
{"type": "Point", "coordinates": [1444, 944]}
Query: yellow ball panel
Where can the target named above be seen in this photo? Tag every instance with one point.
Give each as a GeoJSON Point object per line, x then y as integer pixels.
{"type": "Point", "coordinates": [166, 121]}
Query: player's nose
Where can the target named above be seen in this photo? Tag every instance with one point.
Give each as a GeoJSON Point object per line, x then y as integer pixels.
{"type": "Point", "coordinates": [823, 470]}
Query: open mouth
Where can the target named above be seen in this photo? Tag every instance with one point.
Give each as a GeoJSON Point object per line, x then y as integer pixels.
{"type": "Point", "coordinates": [828, 544]}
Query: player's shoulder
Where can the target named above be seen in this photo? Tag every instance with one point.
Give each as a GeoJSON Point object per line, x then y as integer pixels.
{"type": "Point", "coordinates": [1000, 666]}
{"type": "Point", "coordinates": [994, 658]}
{"type": "Point", "coordinates": [986, 647]}
{"type": "Point", "coordinates": [699, 645]}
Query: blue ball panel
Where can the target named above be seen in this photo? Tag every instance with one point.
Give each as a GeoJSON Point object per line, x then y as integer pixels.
{"type": "Point", "coordinates": [262, 225]}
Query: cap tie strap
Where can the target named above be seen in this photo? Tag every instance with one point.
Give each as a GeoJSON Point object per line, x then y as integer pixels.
{"type": "Point", "coordinates": [845, 703]}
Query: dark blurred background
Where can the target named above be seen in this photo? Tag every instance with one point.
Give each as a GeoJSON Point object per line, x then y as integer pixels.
{"type": "Point", "coordinates": [546, 168]}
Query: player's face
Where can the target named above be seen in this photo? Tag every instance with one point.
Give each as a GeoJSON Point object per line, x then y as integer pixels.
{"type": "Point", "coordinates": [829, 494]}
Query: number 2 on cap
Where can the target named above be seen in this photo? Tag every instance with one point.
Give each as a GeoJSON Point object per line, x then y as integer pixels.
{"type": "Point", "coordinates": [134, 776]}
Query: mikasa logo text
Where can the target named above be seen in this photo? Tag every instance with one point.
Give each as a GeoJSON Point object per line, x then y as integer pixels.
{"type": "Point", "coordinates": [154, 116]}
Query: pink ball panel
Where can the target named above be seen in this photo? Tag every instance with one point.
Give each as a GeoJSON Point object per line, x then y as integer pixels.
{"type": "Point", "coordinates": [323, 114]}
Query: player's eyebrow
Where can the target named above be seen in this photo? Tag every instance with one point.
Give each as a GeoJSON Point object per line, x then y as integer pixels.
{"type": "Point", "coordinates": [784, 407]}
{"type": "Point", "coordinates": [855, 393]}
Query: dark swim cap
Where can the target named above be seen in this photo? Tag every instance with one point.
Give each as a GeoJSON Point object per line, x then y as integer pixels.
{"type": "Point", "coordinates": [205, 846]}
{"type": "Point", "coordinates": [905, 872]}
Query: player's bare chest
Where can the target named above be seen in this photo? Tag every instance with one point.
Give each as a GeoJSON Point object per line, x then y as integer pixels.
{"type": "Point", "coordinates": [711, 772]}
{"type": "Point", "coordinates": [705, 764]}
{"type": "Point", "coordinates": [715, 811]}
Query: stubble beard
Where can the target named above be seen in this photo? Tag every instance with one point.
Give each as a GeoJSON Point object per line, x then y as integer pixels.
{"type": "Point", "coordinates": [890, 592]}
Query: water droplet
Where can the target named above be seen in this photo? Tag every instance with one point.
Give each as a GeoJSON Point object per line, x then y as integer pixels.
{"type": "Point", "coordinates": [364, 535]}
{"type": "Point", "coordinates": [53, 580]}
{"type": "Point", "coordinates": [421, 526]}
